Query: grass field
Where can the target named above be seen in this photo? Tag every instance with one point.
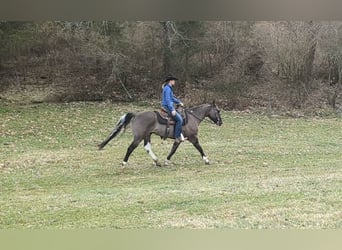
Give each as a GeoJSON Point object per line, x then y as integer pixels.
{"type": "Point", "coordinates": [266, 172]}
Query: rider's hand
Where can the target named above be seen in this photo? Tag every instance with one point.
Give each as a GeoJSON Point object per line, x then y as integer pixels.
{"type": "Point", "coordinates": [181, 104]}
{"type": "Point", "coordinates": [173, 112]}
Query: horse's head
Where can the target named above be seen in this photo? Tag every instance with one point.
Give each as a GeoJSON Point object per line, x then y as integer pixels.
{"type": "Point", "coordinates": [214, 114]}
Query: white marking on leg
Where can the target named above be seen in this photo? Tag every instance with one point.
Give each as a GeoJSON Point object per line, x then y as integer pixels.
{"type": "Point", "coordinates": [206, 160]}
{"type": "Point", "coordinates": [148, 149]}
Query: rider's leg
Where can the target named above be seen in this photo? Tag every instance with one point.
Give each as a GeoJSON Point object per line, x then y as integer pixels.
{"type": "Point", "coordinates": [178, 127]}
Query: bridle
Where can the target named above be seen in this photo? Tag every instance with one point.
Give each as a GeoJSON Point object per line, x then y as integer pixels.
{"type": "Point", "coordinates": [191, 112]}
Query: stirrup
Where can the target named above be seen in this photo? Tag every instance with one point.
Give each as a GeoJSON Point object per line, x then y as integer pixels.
{"type": "Point", "coordinates": [180, 138]}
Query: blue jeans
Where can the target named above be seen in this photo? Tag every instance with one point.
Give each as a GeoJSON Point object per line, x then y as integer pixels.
{"type": "Point", "coordinates": [179, 123]}
{"type": "Point", "coordinates": [178, 127]}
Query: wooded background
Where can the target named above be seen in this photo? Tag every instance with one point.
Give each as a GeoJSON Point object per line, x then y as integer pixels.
{"type": "Point", "coordinates": [242, 64]}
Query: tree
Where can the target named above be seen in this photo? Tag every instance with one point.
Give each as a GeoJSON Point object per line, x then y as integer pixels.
{"type": "Point", "coordinates": [294, 46]}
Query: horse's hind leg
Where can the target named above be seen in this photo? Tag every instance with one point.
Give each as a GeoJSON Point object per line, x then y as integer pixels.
{"type": "Point", "coordinates": [130, 149]}
{"type": "Point", "coordinates": [148, 148]}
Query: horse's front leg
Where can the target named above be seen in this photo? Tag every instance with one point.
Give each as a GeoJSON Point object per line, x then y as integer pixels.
{"type": "Point", "coordinates": [195, 142]}
{"type": "Point", "coordinates": [173, 151]}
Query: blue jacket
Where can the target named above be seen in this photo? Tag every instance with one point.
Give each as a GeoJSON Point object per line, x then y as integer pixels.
{"type": "Point", "coordinates": [168, 99]}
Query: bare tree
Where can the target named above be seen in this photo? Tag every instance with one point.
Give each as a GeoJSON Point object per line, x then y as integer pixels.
{"type": "Point", "coordinates": [294, 46]}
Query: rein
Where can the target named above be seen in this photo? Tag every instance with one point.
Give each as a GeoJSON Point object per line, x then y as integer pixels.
{"type": "Point", "coordinates": [191, 112]}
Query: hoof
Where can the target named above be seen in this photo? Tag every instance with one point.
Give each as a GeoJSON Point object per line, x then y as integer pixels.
{"type": "Point", "coordinates": [205, 159]}
{"type": "Point", "coordinates": [167, 162]}
{"type": "Point", "coordinates": [157, 163]}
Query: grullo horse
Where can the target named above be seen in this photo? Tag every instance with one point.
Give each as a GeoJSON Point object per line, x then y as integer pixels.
{"type": "Point", "coordinates": [146, 123]}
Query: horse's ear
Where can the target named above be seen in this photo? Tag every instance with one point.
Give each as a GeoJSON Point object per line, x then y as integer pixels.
{"type": "Point", "coordinates": [214, 103]}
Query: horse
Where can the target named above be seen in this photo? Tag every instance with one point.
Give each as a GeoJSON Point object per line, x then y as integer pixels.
{"type": "Point", "coordinates": [146, 123]}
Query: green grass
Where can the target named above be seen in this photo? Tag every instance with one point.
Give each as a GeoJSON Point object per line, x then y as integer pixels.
{"type": "Point", "coordinates": [265, 172]}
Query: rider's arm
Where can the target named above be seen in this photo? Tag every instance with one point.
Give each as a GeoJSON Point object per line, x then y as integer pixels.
{"type": "Point", "coordinates": [168, 99]}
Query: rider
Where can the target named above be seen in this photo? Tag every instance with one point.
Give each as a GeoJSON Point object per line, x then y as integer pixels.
{"type": "Point", "coordinates": [168, 101]}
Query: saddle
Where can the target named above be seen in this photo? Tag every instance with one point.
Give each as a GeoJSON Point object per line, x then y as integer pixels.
{"type": "Point", "coordinates": [165, 119]}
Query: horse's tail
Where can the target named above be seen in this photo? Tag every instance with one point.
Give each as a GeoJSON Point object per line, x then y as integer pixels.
{"type": "Point", "coordinates": [122, 123]}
